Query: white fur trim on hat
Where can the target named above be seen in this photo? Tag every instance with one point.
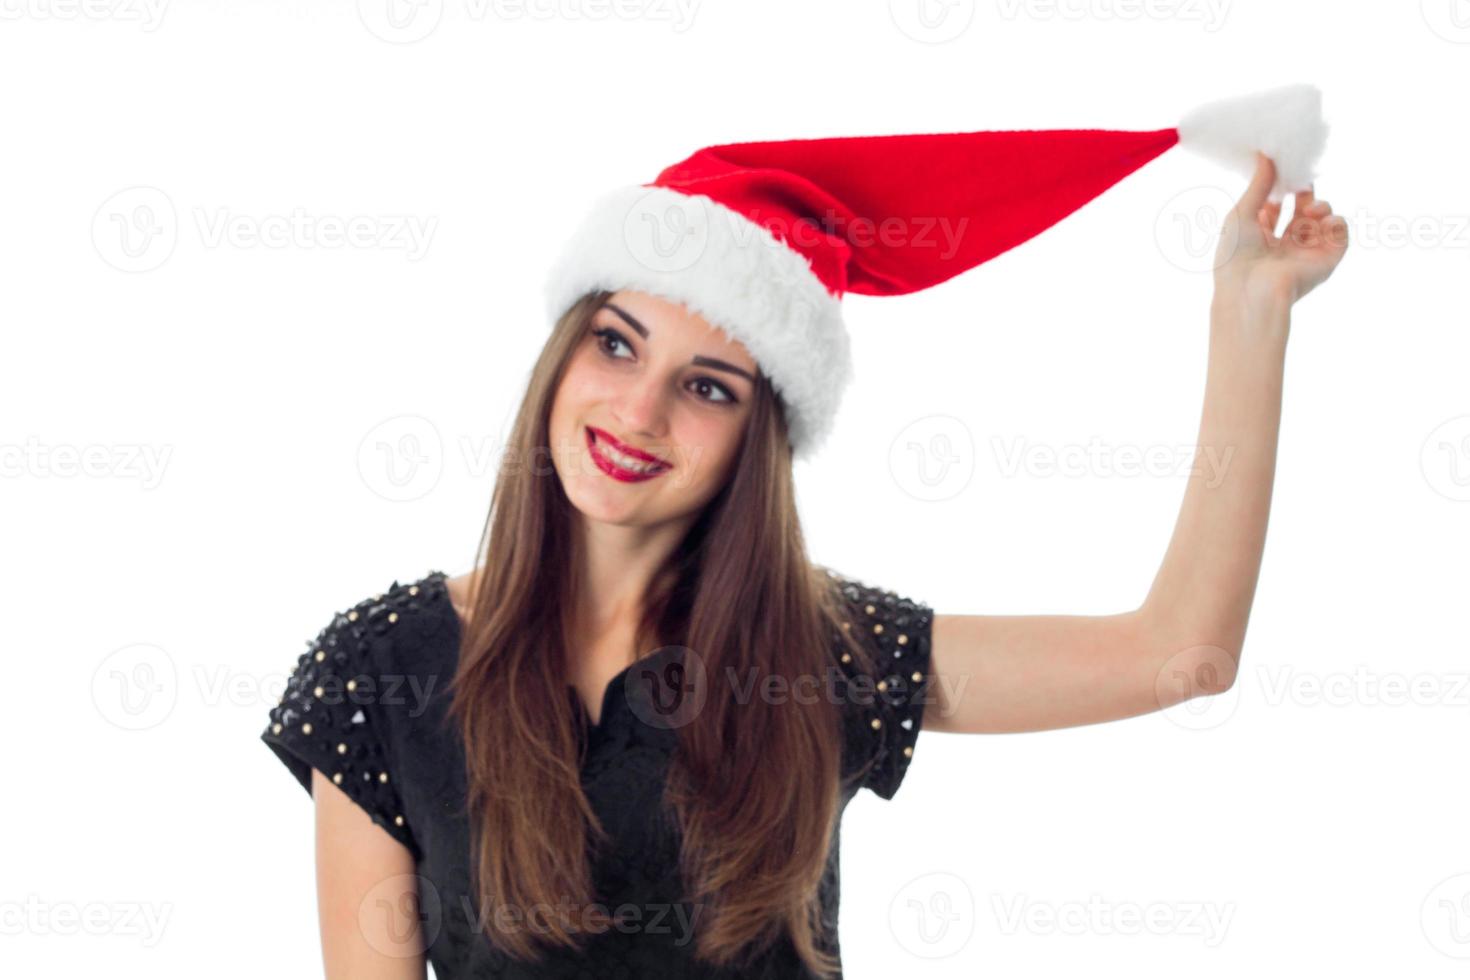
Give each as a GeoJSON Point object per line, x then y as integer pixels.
{"type": "Point", "coordinates": [691, 249]}
{"type": "Point", "coordinates": [1284, 123]}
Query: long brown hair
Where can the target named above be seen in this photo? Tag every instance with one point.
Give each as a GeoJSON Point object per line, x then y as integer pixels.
{"type": "Point", "coordinates": [754, 785]}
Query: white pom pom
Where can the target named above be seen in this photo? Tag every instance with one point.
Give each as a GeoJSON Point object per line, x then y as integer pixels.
{"type": "Point", "coordinates": [1284, 123]}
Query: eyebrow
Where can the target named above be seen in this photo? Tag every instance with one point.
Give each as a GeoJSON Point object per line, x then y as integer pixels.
{"type": "Point", "coordinates": [699, 359]}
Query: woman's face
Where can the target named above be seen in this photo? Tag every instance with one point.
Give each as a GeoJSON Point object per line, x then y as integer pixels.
{"type": "Point", "coordinates": [649, 377]}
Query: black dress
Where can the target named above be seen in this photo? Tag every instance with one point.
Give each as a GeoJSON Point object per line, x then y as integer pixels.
{"type": "Point", "coordinates": [366, 705]}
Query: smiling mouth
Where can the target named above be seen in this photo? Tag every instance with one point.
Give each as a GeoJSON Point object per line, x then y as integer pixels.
{"type": "Point", "coordinates": [618, 464]}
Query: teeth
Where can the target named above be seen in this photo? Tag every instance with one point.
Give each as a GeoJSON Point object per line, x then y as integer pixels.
{"type": "Point", "coordinates": [625, 461]}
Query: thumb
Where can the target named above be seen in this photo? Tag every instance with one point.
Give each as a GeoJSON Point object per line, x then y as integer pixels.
{"type": "Point", "coordinates": [1256, 194]}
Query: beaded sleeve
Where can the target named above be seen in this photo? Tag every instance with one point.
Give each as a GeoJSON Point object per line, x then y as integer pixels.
{"type": "Point", "coordinates": [884, 707]}
{"type": "Point", "coordinates": [330, 719]}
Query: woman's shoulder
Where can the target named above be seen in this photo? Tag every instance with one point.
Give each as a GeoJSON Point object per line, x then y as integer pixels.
{"type": "Point", "coordinates": [883, 606]}
{"type": "Point", "coordinates": [357, 696]}
{"type": "Point", "coordinates": [393, 650]}
{"type": "Point", "coordinates": [400, 628]}
{"type": "Point", "coordinates": [417, 604]}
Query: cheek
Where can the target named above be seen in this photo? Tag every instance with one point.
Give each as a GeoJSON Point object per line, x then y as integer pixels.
{"type": "Point", "coordinates": [582, 383]}
{"type": "Point", "coordinates": [708, 443]}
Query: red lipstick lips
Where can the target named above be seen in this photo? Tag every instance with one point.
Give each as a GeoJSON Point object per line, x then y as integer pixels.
{"type": "Point", "coordinates": [600, 440]}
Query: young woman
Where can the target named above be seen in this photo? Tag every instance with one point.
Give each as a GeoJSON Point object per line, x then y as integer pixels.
{"type": "Point", "coordinates": [621, 746]}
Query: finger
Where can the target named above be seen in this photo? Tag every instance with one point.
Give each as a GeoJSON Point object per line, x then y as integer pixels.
{"type": "Point", "coordinates": [1304, 200]}
{"type": "Point", "coordinates": [1268, 217]}
{"type": "Point", "coordinates": [1319, 208]}
{"type": "Point", "coordinates": [1255, 196]}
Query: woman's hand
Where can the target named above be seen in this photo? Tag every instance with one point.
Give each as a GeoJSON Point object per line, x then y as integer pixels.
{"type": "Point", "coordinates": [1255, 266]}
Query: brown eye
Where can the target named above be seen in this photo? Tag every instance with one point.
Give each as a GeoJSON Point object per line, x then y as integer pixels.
{"type": "Point", "coordinates": [605, 334]}
{"type": "Point", "coordinates": [729, 398]}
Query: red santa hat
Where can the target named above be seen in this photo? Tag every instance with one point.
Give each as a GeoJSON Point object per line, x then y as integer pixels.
{"type": "Point", "coordinates": [764, 239]}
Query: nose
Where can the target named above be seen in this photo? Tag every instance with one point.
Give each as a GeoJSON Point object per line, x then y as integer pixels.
{"type": "Point", "coordinates": [641, 409]}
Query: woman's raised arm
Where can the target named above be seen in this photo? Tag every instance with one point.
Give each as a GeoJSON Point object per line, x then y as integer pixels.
{"type": "Point", "coordinates": [1028, 673]}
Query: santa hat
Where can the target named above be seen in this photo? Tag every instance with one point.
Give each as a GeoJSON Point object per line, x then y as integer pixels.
{"type": "Point", "coordinates": [763, 239]}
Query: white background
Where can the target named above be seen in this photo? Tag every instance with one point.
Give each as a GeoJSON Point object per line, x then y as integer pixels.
{"type": "Point", "coordinates": [228, 395]}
